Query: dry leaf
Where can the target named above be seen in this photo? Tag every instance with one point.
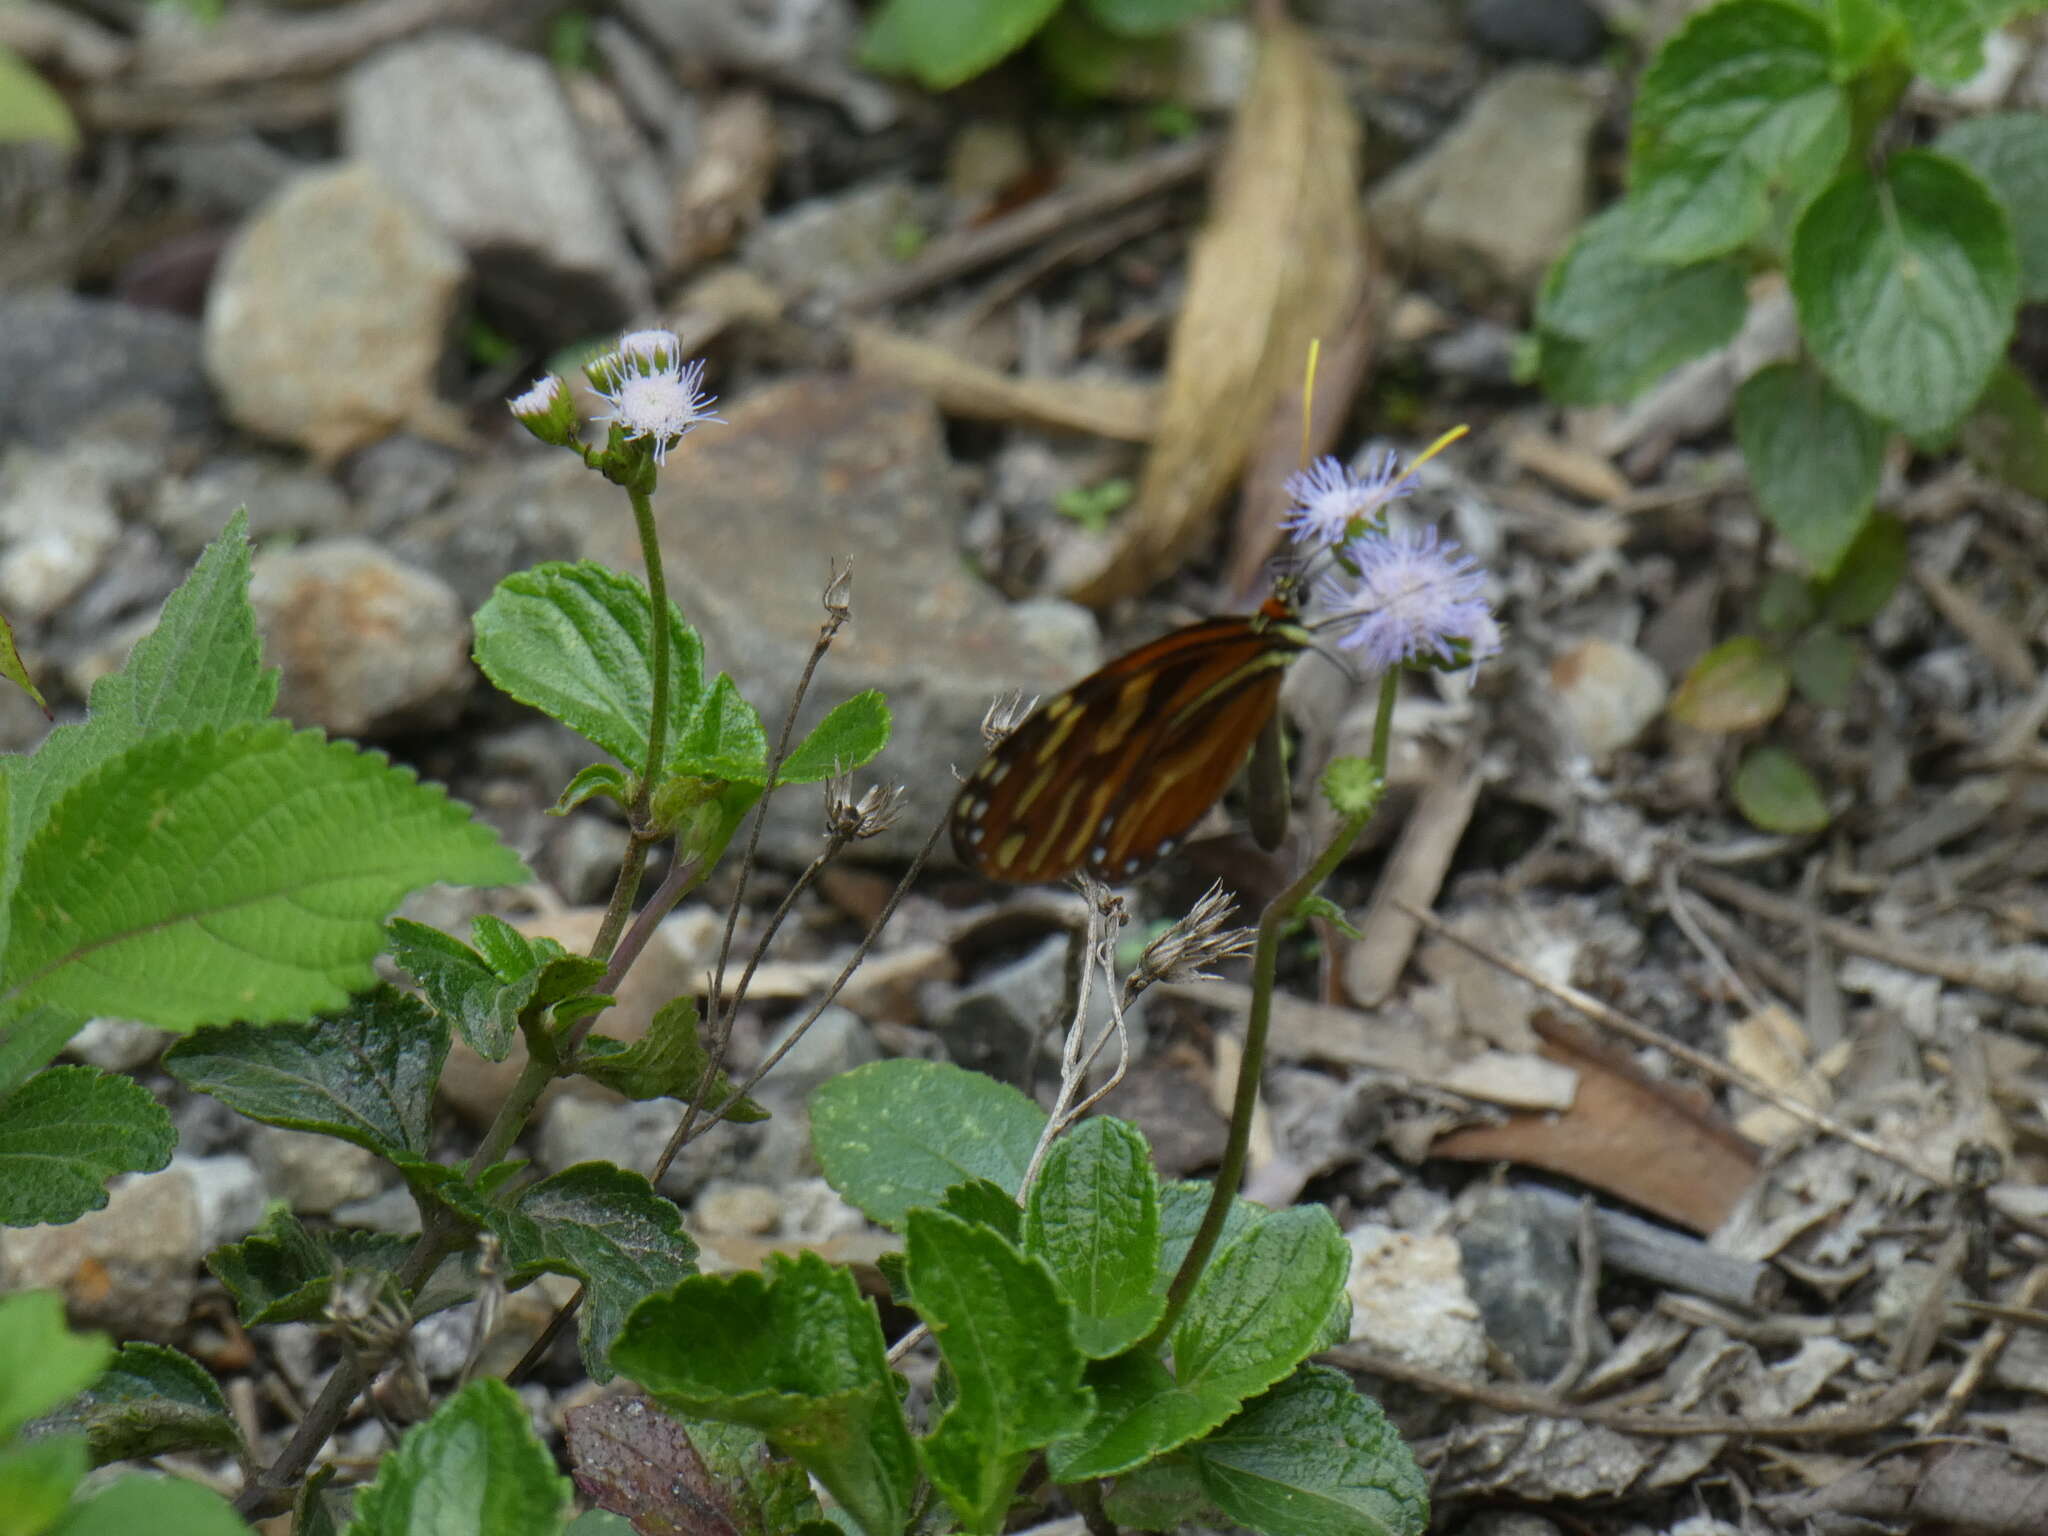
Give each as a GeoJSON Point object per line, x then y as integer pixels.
{"type": "Point", "coordinates": [1771, 1047]}
{"type": "Point", "coordinates": [726, 187]}
{"type": "Point", "coordinates": [1281, 261]}
{"type": "Point", "coordinates": [1126, 412]}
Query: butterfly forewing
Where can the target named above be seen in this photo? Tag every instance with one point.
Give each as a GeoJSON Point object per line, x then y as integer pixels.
{"type": "Point", "coordinates": [1108, 774]}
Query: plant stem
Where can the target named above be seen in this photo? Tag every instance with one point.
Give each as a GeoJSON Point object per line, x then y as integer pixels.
{"type": "Point", "coordinates": [1265, 969]}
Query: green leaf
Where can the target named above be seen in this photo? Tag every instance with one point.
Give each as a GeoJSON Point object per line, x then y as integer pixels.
{"type": "Point", "coordinates": [485, 991]}
{"type": "Point", "coordinates": [65, 1132]}
{"type": "Point", "coordinates": [944, 42]}
{"type": "Point", "coordinates": [1739, 106]}
{"type": "Point", "coordinates": [1094, 1217]}
{"type": "Point", "coordinates": [603, 1225]}
{"type": "Point", "coordinates": [31, 1037]}
{"type": "Point", "coordinates": [1152, 18]}
{"type": "Point", "coordinates": [1824, 664]}
{"type": "Point", "coordinates": [474, 1469]}
{"type": "Point", "coordinates": [598, 1522]}
{"type": "Point", "coordinates": [1006, 1335]}
{"type": "Point", "coordinates": [1870, 573]}
{"type": "Point", "coordinates": [283, 1272]}
{"type": "Point", "coordinates": [606, 779]}
{"type": "Point", "coordinates": [312, 1511]}
{"type": "Point", "coordinates": [32, 111]}
{"type": "Point", "coordinates": [1861, 31]}
{"type": "Point", "coordinates": [636, 1458]}
{"type": "Point", "coordinates": [1610, 322]}
{"type": "Point", "coordinates": [36, 1481]}
{"type": "Point", "coordinates": [1787, 603]}
{"type": "Point", "coordinates": [149, 1401]}
{"type": "Point", "coordinates": [895, 1134]}
{"type": "Point", "coordinates": [723, 739]}
{"type": "Point", "coordinates": [667, 1062]}
{"type": "Point", "coordinates": [365, 1074]}
{"type": "Point", "coordinates": [1814, 458]}
{"type": "Point", "coordinates": [1907, 285]}
{"type": "Point", "coordinates": [576, 642]}
{"type": "Point", "coordinates": [162, 1506]}
{"type": "Point", "coordinates": [844, 740]}
{"type": "Point", "coordinates": [11, 665]}
{"type": "Point", "coordinates": [1182, 1206]}
{"type": "Point", "coordinates": [2006, 435]}
{"type": "Point", "coordinates": [1946, 37]}
{"type": "Point", "coordinates": [244, 873]}
{"type": "Point", "coordinates": [1257, 1310]}
{"type": "Point", "coordinates": [1774, 790]}
{"type": "Point", "coordinates": [1314, 1457]}
{"type": "Point", "coordinates": [42, 1362]}
{"type": "Point", "coordinates": [200, 666]}
{"type": "Point", "coordinates": [2010, 151]}
{"type": "Point", "coordinates": [795, 1352]}
{"type": "Point", "coordinates": [1162, 1495]}
{"type": "Point", "coordinates": [986, 1204]}
{"type": "Point", "coordinates": [1737, 686]}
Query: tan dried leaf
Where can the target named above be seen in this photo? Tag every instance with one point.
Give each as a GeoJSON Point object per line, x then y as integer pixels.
{"type": "Point", "coordinates": [1281, 261]}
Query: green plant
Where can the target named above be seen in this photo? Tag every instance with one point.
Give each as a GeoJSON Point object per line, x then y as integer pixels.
{"type": "Point", "coordinates": [1764, 138]}
{"type": "Point", "coordinates": [1092, 506]}
{"type": "Point", "coordinates": [942, 43]}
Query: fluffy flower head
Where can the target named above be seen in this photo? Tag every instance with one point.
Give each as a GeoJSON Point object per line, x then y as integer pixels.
{"type": "Point", "coordinates": [1409, 599]}
{"type": "Point", "coordinates": [1329, 498]}
{"type": "Point", "coordinates": [652, 391]}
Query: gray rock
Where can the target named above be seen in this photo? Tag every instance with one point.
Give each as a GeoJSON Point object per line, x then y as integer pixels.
{"type": "Point", "coordinates": [284, 501]}
{"type": "Point", "coordinates": [132, 1267]}
{"type": "Point", "coordinates": [366, 643]}
{"type": "Point", "coordinates": [220, 171]}
{"type": "Point", "coordinates": [76, 361]}
{"type": "Point", "coordinates": [1521, 1267]}
{"type": "Point", "coordinates": [728, 1209]}
{"type": "Point", "coordinates": [390, 1210]}
{"type": "Point", "coordinates": [315, 1175]}
{"type": "Point", "coordinates": [398, 481]}
{"type": "Point", "coordinates": [831, 245]}
{"type": "Point", "coordinates": [574, 1129]}
{"type": "Point", "coordinates": [1499, 196]}
{"type": "Point", "coordinates": [231, 1196]}
{"type": "Point", "coordinates": [837, 1041]}
{"type": "Point", "coordinates": [582, 855]}
{"type": "Point", "coordinates": [1480, 353]}
{"type": "Point", "coordinates": [328, 315]}
{"type": "Point", "coordinates": [752, 516]}
{"type": "Point", "coordinates": [115, 1045]}
{"type": "Point", "coordinates": [508, 515]}
{"type": "Point", "coordinates": [1014, 1016]}
{"type": "Point", "coordinates": [1567, 31]}
{"type": "Point", "coordinates": [480, 136]}
{"type": "Point", "coordinates": [1610, 692]}
{"type": "Point", "coordinates": [58, 522]}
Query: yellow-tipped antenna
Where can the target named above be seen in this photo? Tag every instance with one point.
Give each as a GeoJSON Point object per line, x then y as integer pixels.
{"type": "Point", "coordinates": [1308, 396]}
{"type": "Point", "coordinates": [1437, 447]}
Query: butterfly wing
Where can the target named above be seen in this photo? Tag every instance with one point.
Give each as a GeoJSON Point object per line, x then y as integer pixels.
{"type": "Point", "coordinates": [1109, 773]}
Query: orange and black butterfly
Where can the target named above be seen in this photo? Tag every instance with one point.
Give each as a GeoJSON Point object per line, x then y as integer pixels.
{"type": "Point", "coordinates": [1109, 775]}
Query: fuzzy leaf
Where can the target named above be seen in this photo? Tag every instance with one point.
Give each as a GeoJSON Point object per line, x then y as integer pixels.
{"type": "Point", "coordinates": [68, 1130]}
{"type": "Point", "coordinates": [475, 1468]}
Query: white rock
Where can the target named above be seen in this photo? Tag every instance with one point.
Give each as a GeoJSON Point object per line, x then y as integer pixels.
{"type": "Point", "coordinates": [1610, 693]}
{"type": "Point", "coordinates": [1408, 1298]}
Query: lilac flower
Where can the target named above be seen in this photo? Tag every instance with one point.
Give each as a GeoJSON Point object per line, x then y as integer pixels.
{"type": "Point", "coordinates": [1410, 599]}
{"type": "Point", "coordinates": [652, 391]}
{"type": "Point", "coordinates": [1329, 498]}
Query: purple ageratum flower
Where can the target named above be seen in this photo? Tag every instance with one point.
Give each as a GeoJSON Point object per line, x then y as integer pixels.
{"type": "Point", "coordinates": [1411, 599]}
{"type": "Point", "coordinates": [1329, 498]}
{"type": "Point", "coordinates": [652, 391]}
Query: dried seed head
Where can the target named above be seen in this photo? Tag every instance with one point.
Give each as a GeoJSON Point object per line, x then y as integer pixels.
{"type": "Point", "coordinates": [848, 820]}
{"type": "Point", "coordinates": [1005, 713]}
{"type": "Point", "coordinates": [839, 594]}
{"type": "Point", "coordinates": [1197, 941]}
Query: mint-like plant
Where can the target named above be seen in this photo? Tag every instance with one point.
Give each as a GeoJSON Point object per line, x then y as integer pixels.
{"type": "Point", "coordinates": [1765, 137]}
{"type": "Point", "coordinates": [1086, 43]}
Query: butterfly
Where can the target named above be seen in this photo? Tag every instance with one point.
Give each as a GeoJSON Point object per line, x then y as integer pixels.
{"type": "Point", "coordinates": [1109, 775]}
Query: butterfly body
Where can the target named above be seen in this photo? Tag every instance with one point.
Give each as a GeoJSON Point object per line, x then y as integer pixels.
{"type": "Point", "coordinates": [1107, 776]}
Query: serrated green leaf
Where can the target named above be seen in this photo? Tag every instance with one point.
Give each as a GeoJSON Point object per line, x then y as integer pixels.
{"type": "Point", "coordinates": [365, 1073]}
{"type": "Point", "coordinates": [1739, 106]}
{"type": "Point", "coordinates": [1946, 37]}
{"type": "Point", "coordinates": [36, 1481]}
{"type": "Point", "coordinates": [42, 1362]}
{"type": "Point", "coordinates": [670, 1474]}
{"type": "Point", "coordinates": [283, 1271]}
{"type": "Point", "coordinates": [606, 779]}
{"type": "Point", "coordinates": [1737, 686]}
{"type": "Point", "coordinates": [1162, 1495]}
{"type": "Point", "coordinates": [667, 1062]}
{"type": "Point", "coordinates": [162, 1506]}
{"type": "Point", "coordinates": [244, 873]}
{"type": "Point", "coordinates": [1314, 1457]}
{"type": "Point", "coordinates": [598, 1223]}
{"type": "Point", "coordinates": [1814, 459]}
{"type": "Point", "coordinates": [986, 1204]}
{"type": "Point", "coordinates": [1005, 1333]}
{"type": "Point", "coordinates": [2010, 151]}
{"type": "Point", "coordinates": [150, 1400]}
{"type": "Point", "coordinates": [474, 1469]}
{"type": "Point", "coordinates": [1824, 664]}
{"type": "Point", "coordinates": [723, 738]}
{"type": "Point", "coordinates": [1907, 285]}
{"type": "Point", "coordinates": [1182, 1205]}
{"type": "Point", "coordinates": [896, 1134]}
{"type": "Point", "coordinates": [30, 1038]}
{"type": "Point", "coordinates": [1861, 31]}
{"type": "Point", "coordinates": [32, 111]}
{"type": "Point", "coordinates": [797, 1353]}
{"type": "Point", "coordinates": [201, 666]}
{"type": "Point", "coordinates": [576, 642]}
{"type": "Point", "coordinates": [484, 991]}
{"type": "Point", "coordinates": [13, 669]}
{"type": "Point", "coordinates": [1774, 790]}
{"type": "Point", "coordinates": [1870, 573]}
{"type": "Point", "coordinates": [312, 1511]}
{"type": "Point", "coordinates": [65, 1132]}
{"type": "Point", "coordinates": [1152, 18]}
{"type": "Point", "coordinates": [1094, 1218]}
{"type": "Point", "coordinates": [945, 42]}
{"type": "Point", "coordinates": [2006, 435]}
{"type": "Point", "coordinates": [846, 739]}
{"type": "Point", "coordinates": [1610, 323]}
